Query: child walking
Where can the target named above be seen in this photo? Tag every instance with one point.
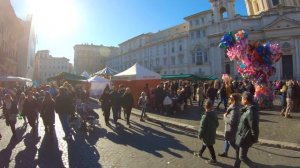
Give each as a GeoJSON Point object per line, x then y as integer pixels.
{"type": "Point", "coordinates": [207, 131]}
{"type": "Point", "coordinates": [143, 104]}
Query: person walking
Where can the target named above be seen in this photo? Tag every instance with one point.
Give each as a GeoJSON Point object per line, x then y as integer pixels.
{"type": "Point", "coordinates": [248, 129]}
{"type": "Point", "coordinates": [142, 102]}
{"type": "Point", "coordinates": [283, 94]}
{"type": "Point", "coordinates": [10, 112]}
{"type": "Point", "coordinates": [290, 99]}
{"type": "Point", "coordinates": [105, 100]}
{"type": "Point", "coordinates": [47, 113]}
{"type": "Point", "coordinates": [30, 110]}
{"type": "Point", "coordinates": [231, 119]}
{"type": "Point", "coordinates": [115, 104]}
{"type": "Point", "coordinates": [64, 108]}
{"type": "Point", "coordinates": [128, 104]}
{"type": "Point", "coordinates": [200, 93]}
{"type": "Point", "coordinates": [207, 131]}
{"type": "Point", "coordinates": [20, 106]}
{"type": "Point", "coordinates": [223, 96]}
{"type": "Point", "coordinates": [211, 93]}
{"type": "Point", "coordinates": [122, 92]}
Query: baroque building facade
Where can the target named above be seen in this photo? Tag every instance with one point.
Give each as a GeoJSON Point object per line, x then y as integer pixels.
{"type": "Point", "coordinates": [192, 47]}
{"type": "Point", "coordinates": [17, 43]}
{"type": "Point", "coordinates": [47, 66]}
{"type": "Point", "coordinates": [90, 58]}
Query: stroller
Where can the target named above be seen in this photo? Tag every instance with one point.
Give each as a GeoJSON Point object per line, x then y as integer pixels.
{"type": "Point", "coordinates": [88, 117]}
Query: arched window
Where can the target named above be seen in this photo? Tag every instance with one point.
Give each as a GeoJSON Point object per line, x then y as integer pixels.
{"type": "Point", "coordinates": [223, 13]}
{"type": "Point", "coordinates": [200, 56]}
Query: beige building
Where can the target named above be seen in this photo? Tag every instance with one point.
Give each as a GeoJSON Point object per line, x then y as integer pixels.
{"type": "Point", "coordinates": [164, 52]}
{"type": "Point", "coordinates": [9, 35]}
{"type": "Point", "coordinates": [27, 47]}
{"type": "Point", "coordinates": [17, 43]}
{"type": "Point", "coordinates": [47, 66]}
{"type": "Point", "coordinates": [91, 58]}
{"type": "Point", "coordinates": [192, 47]}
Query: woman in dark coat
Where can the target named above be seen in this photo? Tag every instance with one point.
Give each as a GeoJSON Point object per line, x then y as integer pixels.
{"type": "Point", "coordinates": [231, 119]}
{"type": "Point", "coordinates": [248, 129]}
{"type": "Point", "coordinates": [47, 113]}
{"type": "Point", "coordinates": [128, 103]}
{"type": "Point", "coordinates": [211, 94]}
{"type": "Point", "coordinates": [105, 100]}
{"type": "Point", "coordinates": [30, 110]}
{"type": "Point", "coordinates": [10, 112]}
{"type": "Point", "coordinates": [207, 132]}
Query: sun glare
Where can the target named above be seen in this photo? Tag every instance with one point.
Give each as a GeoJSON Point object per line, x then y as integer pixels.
{"type": "Point", "coordinates": [54, 18]}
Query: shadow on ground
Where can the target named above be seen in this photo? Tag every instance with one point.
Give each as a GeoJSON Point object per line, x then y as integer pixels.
{"type": "Point", "coordinates": [147, 139]}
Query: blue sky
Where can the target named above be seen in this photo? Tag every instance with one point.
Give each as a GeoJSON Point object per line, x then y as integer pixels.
{"type": "Point", "coordinates": [111, 22]}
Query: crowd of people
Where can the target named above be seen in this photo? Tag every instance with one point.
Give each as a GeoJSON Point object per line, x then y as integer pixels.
{"type": "Point", "coordinates": [30, 103]}
{"type": "Point", "coordinates": [241, 117]}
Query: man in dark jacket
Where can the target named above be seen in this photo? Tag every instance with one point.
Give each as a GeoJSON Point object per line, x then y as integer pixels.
{"type": "Point", "coordinates": [65, 108]}
{"type": "Point", "coordinates": [159, 97]}
{"type": "Point", "coordinates": [105, 100]}
{"type": "Point", "coordinates": [116, 102]}
{"type": "Point", "coordinates": [121, 92]}
{"type": "Point", "coordinates": [248, 129]}
{"type": "Point", "coordinates": [128, 104]}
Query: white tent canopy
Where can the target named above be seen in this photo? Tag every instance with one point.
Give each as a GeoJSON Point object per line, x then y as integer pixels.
{"type": "Point", "coordinates": [98, 84]}
{"type": "Point", "coordinates": [137, 72]}
{"type": "Point", "coordinates": [107, 71]}
{"type": "Point", "coordinates": [85, 74]}
{"type": "Point", "coordinates": [14, 79]}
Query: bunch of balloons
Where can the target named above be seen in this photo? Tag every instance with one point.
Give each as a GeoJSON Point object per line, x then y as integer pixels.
{"type": "Point", "coordinates": [254, 60]}
{"type": "Point", "coordinates": [264, 96]}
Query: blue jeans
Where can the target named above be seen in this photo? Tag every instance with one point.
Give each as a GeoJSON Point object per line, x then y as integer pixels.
{"type": "Point", "coordinates": [143, 112]}
{"type": "Point", "coordinates": [227, 145]}
{"type": "Point", "coordinates": [64, 119]}
{"type": "Point", "coordinates": [224, 100]}
{"type": "Point", "coordinates": [116, 111]}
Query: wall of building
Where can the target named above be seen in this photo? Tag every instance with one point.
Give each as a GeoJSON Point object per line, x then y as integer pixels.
{"type": "Point", "coordinates": [91, 58]}
{"type": "Point", "coordinates": [48, 66]}
{"type": "Point", "coordinates": [200, 37]}
{"type": "Point", "coordinates": [10, 28]}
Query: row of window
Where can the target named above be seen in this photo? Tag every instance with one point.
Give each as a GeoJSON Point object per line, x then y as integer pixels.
{"type": "Point", "coordinates": [172, 45]}
{"type": "Point", "coordinates": [54, 67]}
{"type": "Point", "coordinates": [149, 52]}
{"type": "Point", "coordinates": [197, 34]}
{"type": "Point", "coordinates": [197, 22]}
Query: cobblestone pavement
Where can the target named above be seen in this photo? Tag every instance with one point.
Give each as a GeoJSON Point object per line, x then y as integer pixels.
{"type": "Point", "coordinates": [145, 144]}
{"type": "Point", "coordinates": [272, 125]}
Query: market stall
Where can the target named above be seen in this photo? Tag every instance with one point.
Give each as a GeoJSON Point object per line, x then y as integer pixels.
{"type": "Point", "coordinates": [98, 84]}
{"type": "Point", "coordinates": [136, 77]}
